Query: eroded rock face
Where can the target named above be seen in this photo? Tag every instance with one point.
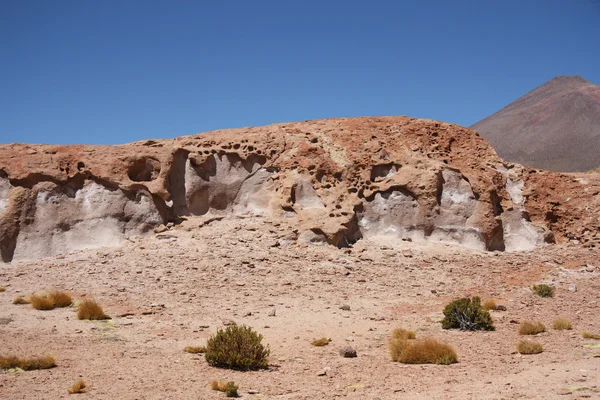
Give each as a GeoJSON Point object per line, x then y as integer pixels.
{"type": "Point", "coordinates": [337, 180]}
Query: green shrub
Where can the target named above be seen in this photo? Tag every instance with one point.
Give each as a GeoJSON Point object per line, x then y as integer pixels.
{"type": "Point", "coordinates": [543, 290]}
{"type": "Point", "coordinates": [237, 347]}
{"type": "Point", "coordinates": [467, 315]}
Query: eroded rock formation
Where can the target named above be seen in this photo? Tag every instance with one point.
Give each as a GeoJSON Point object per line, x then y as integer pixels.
{"type": "Point", "coordinates": [336, 180]}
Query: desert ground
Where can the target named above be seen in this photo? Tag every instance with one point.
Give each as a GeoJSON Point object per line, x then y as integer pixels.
{"type": "Point", "coordinates": [176, 288]}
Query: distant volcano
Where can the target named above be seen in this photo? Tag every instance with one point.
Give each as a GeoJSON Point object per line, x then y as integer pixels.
{"type": "Point", "coordinates": [555, 126]}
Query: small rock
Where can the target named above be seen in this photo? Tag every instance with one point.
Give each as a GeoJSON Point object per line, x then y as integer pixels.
{"type": "Point", "coordinates": [347, 352]}
{"type": "Point", "coordinates": [229, 322]}
{"type": "Point", "coordinates": [322, 373]}
{"type": "Point", "coordinates": [500, 308]}
{"type": "Point", "coordinates": [253, 391]}
{"type": "Point", "coordinates": [272, 313]}
{"type": "Point", "coordinates": [572, 288]}
{"type": "Point", "coordinates": [345, 307]}
{"type": "Point", "coordinates": [160, 229]}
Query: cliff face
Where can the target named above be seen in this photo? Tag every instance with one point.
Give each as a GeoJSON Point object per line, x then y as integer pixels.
{"type": "Point", "coordinates": [336, 180]}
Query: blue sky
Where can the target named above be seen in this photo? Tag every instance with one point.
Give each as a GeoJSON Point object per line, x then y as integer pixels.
{"type": "Point", "coordinates": [118, 71]}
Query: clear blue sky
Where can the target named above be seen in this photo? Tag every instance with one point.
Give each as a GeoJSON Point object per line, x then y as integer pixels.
{"type": "Point", "coordinates": [117, 71]}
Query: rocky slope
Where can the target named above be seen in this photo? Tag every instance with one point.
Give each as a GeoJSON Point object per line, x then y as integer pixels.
{"type": "Point", "coordinates": [555, 126]}
{"type": "Point", "coordinates": [335, 181]}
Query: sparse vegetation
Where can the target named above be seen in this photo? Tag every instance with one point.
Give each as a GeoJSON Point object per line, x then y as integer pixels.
{"type": "Point", "coordinates": [467, 315]}
{"type": "Point", "coordinates": [237, 347]}
{"type": "Point", "coordinates": [404, 334]}
{"type": "Point", "coordinates": [489, 305]}
{"type": "Point", "coordinates": [543, 290]}
{"type": "Point", "coordinates": [320, 342]}
{"type": "Point", "coordinates": [589, 335]}
{"type": "Point", "coordinates": [50, 301]}
{"type": "Point", "coordinates": [195, 349]}
{"type": "Point", "coordinates": [229, 388]}
{"type": "Point", "coordinates": [20, 300]}
{"type": "Point", "coordinates": [531, 328]}
{"type": "Point", "coordinates": [2, 289]}
{"type": "Point", "coordinates": [562, 324]}
{"type": "Point", "coordinates": [529, 347]}
{"type": "Point", "coordinates": [78, 387]}
{"type": "Point", "coordinates": [424, 351]}
{"type": "Point", "coordinates": [27, 364]}
{"type": "Point", "coordinates": [89, 309]}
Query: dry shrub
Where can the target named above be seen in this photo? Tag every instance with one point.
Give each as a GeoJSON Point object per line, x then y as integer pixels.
{"type": "Point", "coordinates": [467, 315]}
{"type": "Point", "coordinates": [529, 347]}
{"type": "Point", "coordinates": [78, 387]}
{"type": "Point", "coordinates": [404, 334]}
{"type": "Point", "coordinates": [229, 388]}
{"type": "Point", "coordinates": [531, 328]}
{"type": "Point", "coordinates": [423, 351]}
{"type": "Point", "coordinates": [60, 299]}
{"type": "Point", "coordinates": [27, 364]}
{"type": "Point", "coordinates": [561, 324]}
{"type": "Point", "coordinates": [2, 289]}
{"type": "Point", "coordinates": [320, 342]}
{"type": "Point", "coordinates": [195, 349]}
{"type": "Point", "coordinates": [20, 300]}
{"type": "Point", "coordinates": [589, 335]}
{"type": "Point", "coordinates": [489, 305]}
{"type": "Point", "coordinates": [89, 309]}
{"type": "Point", "coordinates": [41, 302]}
{"type": "Point", "coordinates": [237, 347]}
{"type": "Point", "coordinates": [543, 290]}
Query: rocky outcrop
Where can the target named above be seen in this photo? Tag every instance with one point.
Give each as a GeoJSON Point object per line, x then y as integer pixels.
{"type": "Point", "coordinates": [336, 180]}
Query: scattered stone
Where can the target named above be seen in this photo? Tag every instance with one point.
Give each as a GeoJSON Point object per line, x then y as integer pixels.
{"type": "Point", "coordinates": [251, 391]}
{"type": "Point", "coordinates": [572, 287]}
{"type": "Point", "coordinates": [347, 352]}
{"type": "Point", "coordinates": [160, 229]}
{"type": "Point", "coordinates": [272, 313]}
{"type": "Point", "coordinates": [500, 308]}
{"type": "Point", "coordinates": [229, 322]}
{"type": "Point", "coordinates": [345, 307]}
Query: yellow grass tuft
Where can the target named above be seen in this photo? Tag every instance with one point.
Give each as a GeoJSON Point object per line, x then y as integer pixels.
{"type": "Point", "coordinates": [20, 300]}
{"type": "Point", "coordinates": [78, 387]}
{"type": "Point", "coordinates": [529, 347]}
{"type": "Point", "coordinates": [423, 351]}
{"type": "Point", "coordinates": [404, 334]}
{"type": "Point", "coordinates": [320, 342]}
{"type": "Point", "coordinates": [27, 364]}
{"type": "Point", "coordinates": [531, 328]}
{"type": "Point", "coordinates": [60, 299]}
{"type": "Point", "coordinates": [41, 302]}
{"type": "Point", "coordinates": [195, 349]}
{"type": "Point", "coordinates": [89, 309]}
{"type": "Point", "coordinates": [229, 388]}
{"type": "Point", "coordinates": [562, 324]}
{"type": "Point", "coordinates": [50, 301]}
{"type": "Point", "coordinates": [589, 335]}
{"type": "Point", "coordinates": [489, 305]}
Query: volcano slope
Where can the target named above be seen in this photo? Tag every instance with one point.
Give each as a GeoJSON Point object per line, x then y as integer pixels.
{"type": "Point", "coordinates": [277, 227]}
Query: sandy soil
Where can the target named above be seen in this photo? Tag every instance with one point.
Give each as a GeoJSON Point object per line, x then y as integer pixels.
{"type": "Point", "coordinates": [177, 288]}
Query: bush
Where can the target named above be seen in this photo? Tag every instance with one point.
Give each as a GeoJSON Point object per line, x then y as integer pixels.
{"type": "Point", "coordinates": [237, 347]}
{"type": "Point", "coordinates": [424, 351]}
{"type": "Point", "coordinates": [400, 333]}
{"type": "Point", "coordinates": [195, 349]}
{"type": "Point", "coordinates": [589, 335]}
{"type": "Point", "coordinates": [320, 342]}
{"type": "Point", "coordinates": [78, 387]}
{"type": "Point", "coordinates": [60, 299]}
{"type": "Point", "coordinates": [531, 328]}
{"type": "Point", "coordinates": [543, 290]}
{"type": "Point", "coordinates": [89, 309]}
{"type": "Point", "coordinates": [561, 324]}
{"type": "Point", "coordinates": [229, 388]}
{"type": "Point", "coordinates": [467, 315]}
{"type": "Point", "coordinates": [41, 302]}
{"type": "Point", "coordinates": [529, 347]}
{"type": "Point", "coordinates": [49, 301]}
{"type": "Point", "coordinates": [20, 300]}
{"type": "Point", "coordinates": [489, 305]}
{"type": "Point", "coordinates": [27, 364]}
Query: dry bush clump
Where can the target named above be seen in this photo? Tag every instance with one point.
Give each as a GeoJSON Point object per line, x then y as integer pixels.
{"type": "Point", "coordinates": [422, 351]}
{"type": "Point", "coordinates": [195, 349]}
{"type": "Point", "coordinates": [20, 300]}
{"type": "Point", "coordinates": [229, 388]}
{"type": "Point", "coordinates": [531, 328]}
{"type": "Point", "coordinates": [320, 342]}
{"type": "Point", "coordinates": [60, 299]}
{"type": "Point", "coordinates": [41, 302]}
{"type": "Point", "coordinates": [89, 309]}
{"type": "Point", "coordinates": [27, 364]}
{"type": "Point", "coordinates": [50, 301]}
{"type": "Point", "coordinates": [529, 347]}
{"type": "Point", "coordinates": [237, 347]}
{"type": "Point", "coordinates": [543, 290]}
{"type": "Point", "coordinates": [404, 334]}
{"type": "Point", "coordinates": [589, 335]}
{"type": "Point", "coordinates": [562, 324]}
{"type": "Point", "coordinates": [489, 305]}
{"type": "Point", "coordinates": [467, 315]}
{"type": "Point", "coordinates": [78, 387]}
